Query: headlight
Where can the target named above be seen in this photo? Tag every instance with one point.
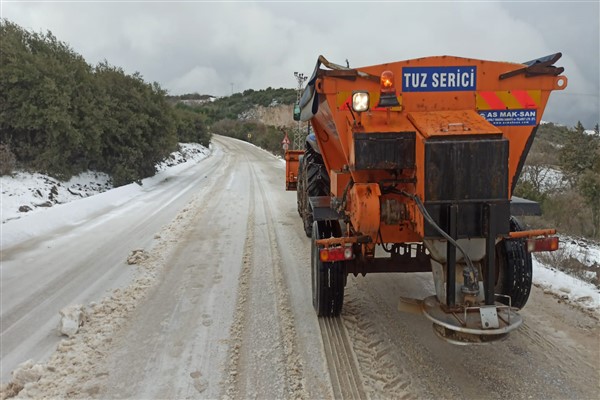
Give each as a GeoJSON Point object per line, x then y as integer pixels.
{"type": "Point", "coordinates": [360, 101]}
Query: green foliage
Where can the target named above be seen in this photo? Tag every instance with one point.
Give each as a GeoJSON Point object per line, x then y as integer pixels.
{"type": "Point", "coordinates": [572, 206]}
{"type": "Point", "coordinates": [222, 115]}
{"type": "Point", "coordinates": [580, 160]}
{"type": "Point", "coordinates": [191, 125]}
{"type": "Point", "coordinates": [549, 139]}
{"type": "Point", "coordinates": [589, 187]}
{"type": "Point", "coordinates": [7, 160]}
{"type": "Point", "coordinates": [39, 82]}
{"type": "Point", "coordinates": [528, 190]}
{"type": "Point", "coordinates": [138, 125]}
{"type": "Point", "coordinates": [558, 135]}
{"type": "Point", "coordinates": [231, 107]}
{"type": "Point", "coordinates": [61, 116]}
{"type": "Point", "coordinates": [191, 96]}
{"type": "Point", "coordinates": [580, 153]}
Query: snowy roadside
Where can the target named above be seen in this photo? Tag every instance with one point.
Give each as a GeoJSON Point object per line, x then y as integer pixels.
{"type": "Point", "coordinates": [571, 273]}
{"type": "Point", "coordinates": [42, 193]}
{"type": "Point", "coordinates": [566, 287]}
{"type": "Point", "coordinates": [26, 194]}
{"type": "Point", "coordinates": [102, 317]}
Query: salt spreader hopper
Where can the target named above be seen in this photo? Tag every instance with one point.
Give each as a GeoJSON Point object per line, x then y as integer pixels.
{"type": "Point", "coordinates": [411, 167]}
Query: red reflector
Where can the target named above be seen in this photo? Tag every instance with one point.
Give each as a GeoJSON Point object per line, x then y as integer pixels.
{"type": "Point", "coordinates": [542, 244]}
{"type": "Point", "coordinates": [332, 254]}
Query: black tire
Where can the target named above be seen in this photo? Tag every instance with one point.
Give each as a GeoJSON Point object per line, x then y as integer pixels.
{"type": "Point", "coordinates": [315, 183]}
{"type": "Point", "coordinates": [317, 180]}
{"type": "Point", "coordinates": [328, 279]}
{"type": "Point", "coordinates": [307, 217]}
{"type": "Point", "coordinates": [300, 185]}
{"type": "Point", "coordinates": [514, 267]}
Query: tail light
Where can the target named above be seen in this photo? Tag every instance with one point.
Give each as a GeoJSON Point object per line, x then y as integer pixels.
{"type": "Point", "coordinates": [542, 244]}
{"type": "Point", "coordinates": [332, 254]}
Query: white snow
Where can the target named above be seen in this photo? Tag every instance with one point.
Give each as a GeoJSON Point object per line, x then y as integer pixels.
{"type": "Point", "coordinates": [32, 232]}
{"type": "Point", "coordinates": [23, 188]}
{"type": "Point", "coordinates": [584, 251]}
{"type": "Point", "coordinates": [549, 275]}
{"type": "Point", "coordinates": [71, 319]}
{"type": "Point", "coordinates": [39, 192]}
{"type": "Point", "coordinates": [549, 179]}
{"type": "Point", "coordinates": [566, 286]}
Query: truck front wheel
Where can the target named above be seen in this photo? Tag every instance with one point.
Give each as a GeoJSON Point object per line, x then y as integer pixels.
{"type": "Point", "coordinates": [300, 186]}
{"type": "Point", "coordinates": [315, 183]}
{"type": "Point", "coordinates": [328, 279]}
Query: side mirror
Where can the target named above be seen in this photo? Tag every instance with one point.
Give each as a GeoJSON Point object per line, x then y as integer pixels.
{"type": "Point", "coordinates": [296, 112]}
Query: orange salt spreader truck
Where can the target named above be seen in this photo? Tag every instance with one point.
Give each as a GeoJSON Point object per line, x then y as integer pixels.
{"type": "Point", "coordinates": [411, 168]}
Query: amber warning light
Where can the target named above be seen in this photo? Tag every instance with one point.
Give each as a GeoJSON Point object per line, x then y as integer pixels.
{"type": "Point", "coordinates": [387, 82]}
{"type": "Point", "coordinates": [387, 96]}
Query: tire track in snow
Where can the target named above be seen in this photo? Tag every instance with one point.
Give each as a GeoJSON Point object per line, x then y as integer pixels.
{"type": "Point", "coordinates": [262, 295]}
{"type": "Point", "coordinates": [346, 379]}
{"type": "Point", "coordinates": [294, 365]}
{"type": "Point", "coordinates": [383, 378]}
{"type": "Point", "coordinates": [374, 330]}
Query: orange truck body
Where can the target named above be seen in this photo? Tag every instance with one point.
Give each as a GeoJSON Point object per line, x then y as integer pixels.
{"type": "Point", "coordinates": [419, 159]}
{"type": "Point", "coordinates": [438, 98]}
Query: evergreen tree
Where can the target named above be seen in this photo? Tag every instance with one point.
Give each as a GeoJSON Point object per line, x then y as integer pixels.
{"type": "Point", "coordinates": [61, 116]}
{"type": "Point", "coordinates": [579, 153]}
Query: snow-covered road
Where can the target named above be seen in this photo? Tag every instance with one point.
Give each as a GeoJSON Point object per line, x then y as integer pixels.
{"type": "Point", "coordinates": [78, 252]}
{"type": "Point", "coordinates": [221, 307]}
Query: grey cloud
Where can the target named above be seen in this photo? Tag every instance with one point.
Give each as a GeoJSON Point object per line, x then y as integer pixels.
{"type": "Point", "coordinates": [205, 47]}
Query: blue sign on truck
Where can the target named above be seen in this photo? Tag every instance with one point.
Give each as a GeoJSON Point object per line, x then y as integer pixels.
{"type": "Point", "coordinates": [526, 117]}
{"type": "Point", "coordinates": [439, 79]}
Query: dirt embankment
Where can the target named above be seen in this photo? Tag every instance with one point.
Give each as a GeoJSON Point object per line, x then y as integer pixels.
{"type": "Point", "coordinates": [279, 115]}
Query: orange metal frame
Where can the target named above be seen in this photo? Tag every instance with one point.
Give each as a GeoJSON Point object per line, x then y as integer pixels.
{"type": "Point", "coordinates": [292, 158]}
{"type": "Point", "coordinates": [430, 114]}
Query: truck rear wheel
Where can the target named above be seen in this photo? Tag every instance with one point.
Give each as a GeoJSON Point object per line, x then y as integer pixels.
{"type": "Point", "coordinates": [315, 183]}
{"type": "Point", "coordinates": [514, 267]}
{"type": "Point", "coordinates": [328, 279]}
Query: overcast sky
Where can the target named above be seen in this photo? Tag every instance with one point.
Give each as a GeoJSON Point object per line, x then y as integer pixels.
{"type": "Point", "coordinates": [212, 47]}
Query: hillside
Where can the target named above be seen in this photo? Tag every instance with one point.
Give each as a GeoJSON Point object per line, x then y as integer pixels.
{"type": "Point", "coordinates": [280, 115]}
{"type": "Point", "coordinates": [562, 172]}
{"type": "Point", "coordinates": [257, 116]}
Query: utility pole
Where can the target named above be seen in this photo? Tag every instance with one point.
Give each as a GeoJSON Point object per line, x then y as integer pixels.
{"type": "Point", "coordinates": [298, 135]}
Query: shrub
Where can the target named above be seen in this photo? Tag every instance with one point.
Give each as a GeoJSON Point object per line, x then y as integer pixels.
{"type": "Point", "coordinates": [8, 161]}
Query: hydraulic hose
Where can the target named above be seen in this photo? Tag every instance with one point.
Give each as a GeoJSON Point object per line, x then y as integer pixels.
{"type": "Point", "coordinates": [473, 286]}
